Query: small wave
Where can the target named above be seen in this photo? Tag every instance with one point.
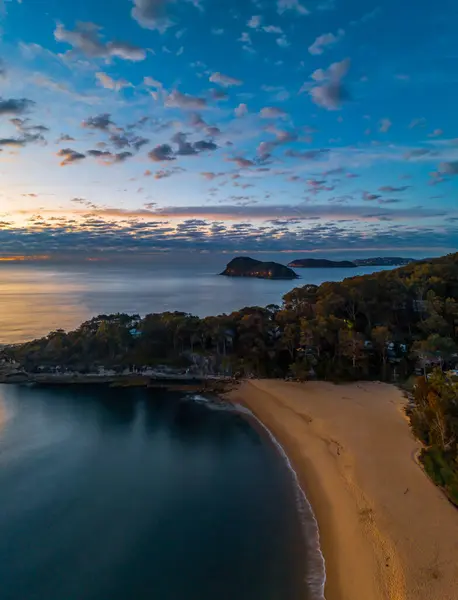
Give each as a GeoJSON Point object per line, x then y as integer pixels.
{"type": "Point", "coordinates": [210, 403]}
{"type": "Point", "coordinates": [316, 572]}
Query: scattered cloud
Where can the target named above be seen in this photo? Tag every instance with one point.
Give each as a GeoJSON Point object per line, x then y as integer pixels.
{"type": "Point", "coordinates": [272, 112]}
{"type": "Point", "coordinates": [102, 122]}
{"type": "Point", "coordinates": [241, 110]}
{"type": "Point", "coordinates": [449, 168]}
{"type": "Point", "coordinates": [255, 22]}
{"type": "Point", "coordinates": [390, 188]}
{"type": "Point", "coordinates": [225, 80]}
{"type": "Point", "coordinates": [111, 84]}
{"type": "Point", "coordinates": [87, 39]}
{"type": "Point", "coordinates": [70, 156]}
{"type": "Point", "coordinates": [324, 41]}
{"type": "Point", "coordinates": [15, 106]}
{"type": "Point", "coordinates": [332, 92]}
{"type": "Point", "coordinates": [162, 153]}
{"type": "Point", "coordinates": [177, 99]}
{"type": "Point", "coordinates": [385, 125]}
{"type": "Point", "coordinates": [294, 5]}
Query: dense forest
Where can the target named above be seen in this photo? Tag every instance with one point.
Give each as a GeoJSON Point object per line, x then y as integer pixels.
{"type": "Point", "coordinates": [387, 326]}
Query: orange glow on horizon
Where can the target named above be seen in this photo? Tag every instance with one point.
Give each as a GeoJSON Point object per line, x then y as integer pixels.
{"type": "Point", "coordinates": [23, 258]}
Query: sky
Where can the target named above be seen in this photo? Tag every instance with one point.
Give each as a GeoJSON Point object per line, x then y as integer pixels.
{"type": "Point", "coordinates": [143, 126]}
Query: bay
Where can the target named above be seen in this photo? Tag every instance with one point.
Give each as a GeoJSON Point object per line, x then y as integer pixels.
{"type": "Point", "coordinates": [111, 494]}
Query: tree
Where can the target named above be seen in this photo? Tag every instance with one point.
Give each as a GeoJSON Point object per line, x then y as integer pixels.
{"type": "Point", "coordinates": [381, 337]}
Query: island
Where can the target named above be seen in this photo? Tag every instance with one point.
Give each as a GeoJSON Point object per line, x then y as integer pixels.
{"type": "Point", "coordinates": [321, 263]}
{"type": "Point", "coordinates": [244, 266]}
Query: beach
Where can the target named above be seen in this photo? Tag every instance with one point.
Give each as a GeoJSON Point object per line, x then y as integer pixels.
{"type": "Point", "coordinates": [386, 531]}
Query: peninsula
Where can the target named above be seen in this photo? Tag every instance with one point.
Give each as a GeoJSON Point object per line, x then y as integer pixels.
{"type": "Point", "coordinates": [321, 263]}
{"type": "Point", "coordinates": [243, 266]}
{"type": "Point", "coordinates": [324, 263]}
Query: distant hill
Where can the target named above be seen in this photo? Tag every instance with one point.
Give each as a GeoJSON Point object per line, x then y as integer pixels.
{"type": "Point", "coordinates": [243, 266]}
{"type": "Point", "coordinates": [385, 261]}
{"type": "Point", "coordinates": [321, 263]}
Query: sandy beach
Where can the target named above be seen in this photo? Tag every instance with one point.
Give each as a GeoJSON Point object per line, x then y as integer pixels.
{"type": "Point", "coordinates": [386, 531]}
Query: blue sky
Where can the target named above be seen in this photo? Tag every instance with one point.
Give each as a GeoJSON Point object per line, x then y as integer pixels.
{"type": "Point", "coordinates": [241, 126]}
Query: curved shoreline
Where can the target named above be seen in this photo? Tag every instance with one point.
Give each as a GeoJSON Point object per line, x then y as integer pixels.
{"type": "Point", "coordinates": [316, 575]}
{"type": "Point", "coordinates": [387, 533]}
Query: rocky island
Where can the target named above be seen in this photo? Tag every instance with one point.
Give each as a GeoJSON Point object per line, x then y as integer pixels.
{"type": "Point", "coordinates": [243, 266]}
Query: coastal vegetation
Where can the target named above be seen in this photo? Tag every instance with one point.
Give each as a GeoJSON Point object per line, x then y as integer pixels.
{"type": "Point", "coordinates": [389, 325]}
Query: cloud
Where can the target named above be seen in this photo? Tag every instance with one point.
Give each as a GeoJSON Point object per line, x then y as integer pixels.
{"type": "Point", "coordinates": [272, 29]}
{"type": "Point", "coordinates": [295, 5]}
{"type": "Point", "coordinates": [449, 168]}
{"type": "Point", "coordinates": [109, 158]}
{"type": "Point", "coordinates": [13, 142]}
{"type": "Point", "coordinates": [186, 148]}
{"type": "Point", "coordinates": [161, 153]}
{"type": "Point", "coordinates": [370, 197]}
{"type": "Point", "coordinates": [70, 156]}
{"type": "Point", "coordinates": [390, 188]}
{"type": "Point", "coordinates": [15, 106]}
{"type": "Point", "coordinates": [178, 100]}
{"type": "Point", "coordinates": [127, 139]}
{"type": "Point", "coordinates": [283, 42]}
{"type": "Point", "coordinates": [241, 162]}
{"type": "Point", "coordinates": [205, 146]}
{"type": "Point", "coordinates": [330, 96]}
{"type": "Point", "coordinates": [111, 84]}
{"type": "Point", "coordinates": [272, 112]}
{"type": "Point", "coordinates": [307, 154]}
{"type": "Point", "coordinates": [152, 14]}
{"type": "Point", "coordinates": [150, 82]}
{"type": "Point", "coordinates": [254, 22]}
{"type": "Point", "coordinates": [241, 110]}
{"type": "Point", "coordinates": [419, 122]}
{"type": "Point", "coordinates": [225, 80]}
{"type": "Point", "coordinates": [324, 41]}
{"type": "Point", "coordinates": [332, 93]}
{"type": "Point", "coordinates": [385, 125]}
{"type": "Point", "coordinates": [417, 153]}
{"type": "Point", "coordinates": [102, 122]}
{"type": "Point", "coordinates": [86, 38]}
{"type": "Point", "coordinates": [64, 137]}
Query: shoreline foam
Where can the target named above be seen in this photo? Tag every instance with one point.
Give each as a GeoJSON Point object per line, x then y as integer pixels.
{"type": "Point", "coordinates": [316, 569]}
{"type": "Point", "coordinates": [386, 531]}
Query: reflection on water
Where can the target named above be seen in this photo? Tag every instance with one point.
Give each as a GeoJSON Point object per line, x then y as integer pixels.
{"type": "Point", "coordinates": [37, 298]}
{"type": "Point", "coordinates": [113, 494]}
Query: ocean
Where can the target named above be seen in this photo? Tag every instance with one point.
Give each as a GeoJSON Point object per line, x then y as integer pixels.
{"type": "Point", "coordinates": [109, 494]}
{"type": "Point", "coordinates": [36, 298]}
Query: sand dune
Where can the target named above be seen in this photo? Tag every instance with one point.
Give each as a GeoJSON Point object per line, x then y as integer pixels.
{"type": "Point", "coordinates": [386, 531]}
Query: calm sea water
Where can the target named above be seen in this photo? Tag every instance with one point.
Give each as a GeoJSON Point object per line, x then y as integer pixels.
{"type": "Point", "coordinates": [37, 298]}
{"type": "Point", "coordinates": [117, 494]}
